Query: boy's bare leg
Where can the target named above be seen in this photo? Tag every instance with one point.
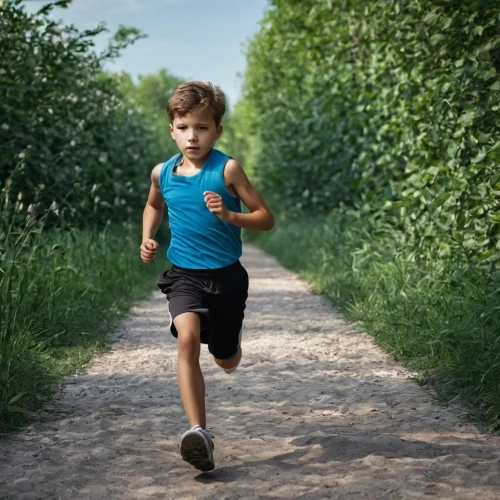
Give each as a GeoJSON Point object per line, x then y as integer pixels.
{"type": "Point", "coordinates": [189, 376]}
{"type": "Point", "coordinates": [229, 363]}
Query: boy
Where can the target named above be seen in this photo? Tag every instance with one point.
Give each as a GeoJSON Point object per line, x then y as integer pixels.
{"type": "Point", "coordinates": [207, 286]}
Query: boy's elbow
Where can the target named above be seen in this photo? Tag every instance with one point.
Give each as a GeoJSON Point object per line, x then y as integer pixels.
{"type": "Point", "coordinates": [270, 223]}
{"type": "Point", "coordinates": [264, 222]}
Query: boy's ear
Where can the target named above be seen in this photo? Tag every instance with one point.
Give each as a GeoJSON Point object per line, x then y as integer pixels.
{"type": "Point", "coordinates": [171, 131]}
{"type": "Point", "coordinates": [219, 130]}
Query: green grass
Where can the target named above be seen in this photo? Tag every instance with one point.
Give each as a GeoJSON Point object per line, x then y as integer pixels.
{"type": "Point", "coordinates": [441, 319]}
{"type": "Point", "coordinates": [61, 294]}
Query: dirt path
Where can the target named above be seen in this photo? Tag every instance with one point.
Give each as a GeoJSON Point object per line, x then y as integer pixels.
{"type": "Point", "coordinates": [315, 411]}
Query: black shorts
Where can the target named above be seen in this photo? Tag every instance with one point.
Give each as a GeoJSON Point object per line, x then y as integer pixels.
{"type": "Point", "coordinates": [217, 295]}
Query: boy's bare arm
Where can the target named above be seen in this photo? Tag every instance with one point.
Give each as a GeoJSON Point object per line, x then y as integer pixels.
{"type": "Point", "coordinates": [152, 217]}
{"type": "Point", "coordinates": [260, 217]}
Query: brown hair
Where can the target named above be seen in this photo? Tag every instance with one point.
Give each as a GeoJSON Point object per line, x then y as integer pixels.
{"type": "Point", "coordinates": [197, 95]}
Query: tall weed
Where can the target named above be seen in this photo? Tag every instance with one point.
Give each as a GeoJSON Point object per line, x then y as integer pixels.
{"type": "Point", "coordinates": [61, 292]}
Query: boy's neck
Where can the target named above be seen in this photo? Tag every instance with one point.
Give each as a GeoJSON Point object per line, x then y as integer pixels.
{"type": "Point", "coordinates": [196, 163]}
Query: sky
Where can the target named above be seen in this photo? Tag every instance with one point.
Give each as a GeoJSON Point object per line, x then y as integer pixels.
{"type": "Point", "coordinates": [192, 39]}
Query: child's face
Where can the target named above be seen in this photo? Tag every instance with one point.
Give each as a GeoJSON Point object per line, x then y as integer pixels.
{"type": "Point", "coordinates": [195, 133]}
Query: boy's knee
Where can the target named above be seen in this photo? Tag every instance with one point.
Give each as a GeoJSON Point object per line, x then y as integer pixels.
{"type": "Point", "coordinates": [225, 363]}
{"type": "Point", "coordinates": [229, 363]}
{"type": "Point", "coordinates": [188, 343]}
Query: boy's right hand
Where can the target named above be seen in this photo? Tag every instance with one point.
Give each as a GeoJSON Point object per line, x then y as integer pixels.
{"type": "Point", "coordinates": [148, 250]}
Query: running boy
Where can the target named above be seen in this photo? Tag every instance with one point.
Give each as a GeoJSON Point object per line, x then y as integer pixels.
{"type": "Point", "coordinates": [207, 286]}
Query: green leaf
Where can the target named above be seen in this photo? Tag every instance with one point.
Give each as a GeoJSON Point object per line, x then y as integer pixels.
{"type": "Point", "coordinates": [488, 253]}
{"type": "Point", "coordinates": [486, 75]}
{"type": "Point", "coordinates": [495, 218]}
{"type": "Point", "coordinates": [47, 8]}
{"type": "Point", "coordinates": [461, 221]}
{"type": "Point", "coordinates": [389, 205]}
{"type": "Point", "coordinates": [495, 86]}
{"type": "Point", "coordinates": [483, 138]}
{"type": "Point", "coordinates": [494, 184]}
{"type": "Point", "coordinates": [467, 118]}
{"type": "Point", "coordinates": [427, 195]}
{"type": "Point", "coordinates": [492, 43]}
{"type": "Point", "coordinates": [494, 152]}
{"type": "Point", "coordinates": [494, 179]}
{"type": "Point", "coordinates": [431, 17]}
{"type": "Point", "coordinates": [63, 3]}
{"type": "Point", "coordinates": [437, 38]}
{"type": "Point", "coordinates": [439, 200]}
{"type": "Point", "coordinates": [17, 398]}
{"type": "Point", "coordinates": [479, 158]}
{"type": "Point", "coordinates": [470, 243]}
{"type": "Point", "coordinates": [17, 409]}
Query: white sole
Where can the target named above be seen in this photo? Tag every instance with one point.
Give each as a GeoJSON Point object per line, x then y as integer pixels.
{"type": "Point", "coordinates": [196, 450]}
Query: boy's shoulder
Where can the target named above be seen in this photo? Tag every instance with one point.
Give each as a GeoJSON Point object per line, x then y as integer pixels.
{"type": "Point", "coordinates": [155, 174]}
{"type": "Point", "coordinates": [229, 161]}
{"type": "Point", "coordinates": [232, 167]}
{"type": "Point", "coordinates": [157, 169]}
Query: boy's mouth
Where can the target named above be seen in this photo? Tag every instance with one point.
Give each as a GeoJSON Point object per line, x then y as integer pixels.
{"type": "Point", "coordinates": [191, 148]}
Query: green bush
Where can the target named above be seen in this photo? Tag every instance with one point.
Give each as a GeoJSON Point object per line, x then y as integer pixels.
{"type": "Point", "coordinates": [66, 135]}
{"type": "Point", "coordinates": [388, 107]}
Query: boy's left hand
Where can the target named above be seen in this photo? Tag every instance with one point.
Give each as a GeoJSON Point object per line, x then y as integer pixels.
{"type": "Point", "coordinates": [216, 205]}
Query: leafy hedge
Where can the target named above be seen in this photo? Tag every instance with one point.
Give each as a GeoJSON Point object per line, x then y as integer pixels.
{"type": "Point", "coordinates": [66, 134]}
{"type": "Point", "coordinates": [389, 107]}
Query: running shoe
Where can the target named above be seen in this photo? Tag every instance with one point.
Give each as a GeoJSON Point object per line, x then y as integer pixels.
{"type": "Point", "coordinates": [197, 448]}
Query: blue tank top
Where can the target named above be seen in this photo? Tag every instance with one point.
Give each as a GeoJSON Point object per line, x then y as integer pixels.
{"type": "Point", "coordinates": [199, 239]}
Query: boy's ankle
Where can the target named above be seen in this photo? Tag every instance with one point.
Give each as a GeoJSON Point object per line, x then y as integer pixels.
{"type": "Point", "coordinates": [203, 426]}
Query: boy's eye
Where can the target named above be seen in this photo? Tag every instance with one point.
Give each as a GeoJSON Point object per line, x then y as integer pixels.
{"type": "Point", "coordinates": [202, 128]}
